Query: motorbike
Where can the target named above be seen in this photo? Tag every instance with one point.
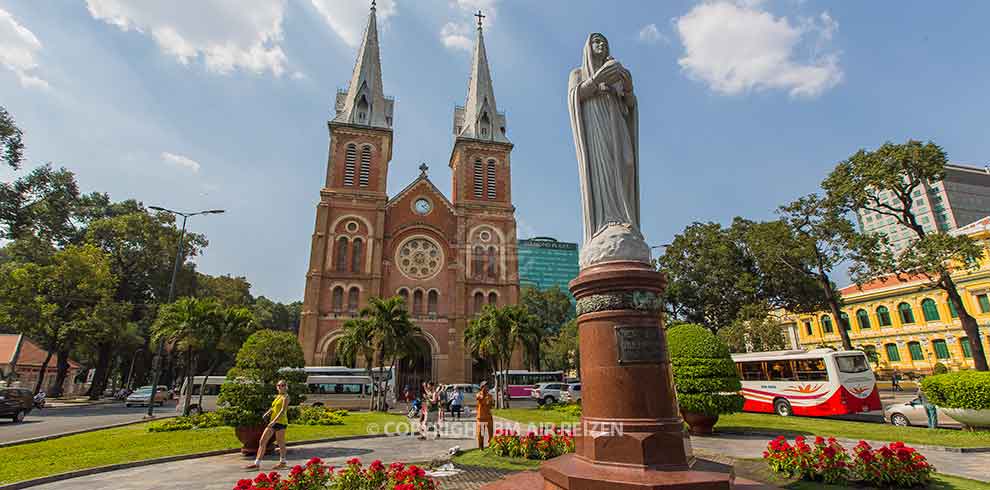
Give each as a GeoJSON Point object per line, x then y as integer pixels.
{"type": "Point", "coordinates": [39, 400]}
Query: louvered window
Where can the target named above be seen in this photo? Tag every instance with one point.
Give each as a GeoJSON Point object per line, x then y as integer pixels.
{"type": "Point", "coordinates": [350, 159]}
{"type": "Point", "coordinates": [479, 179]}
{"type": "Point", "coordinates": [365, 174]}
{"type": "Point", "coordinates": [491, 179]}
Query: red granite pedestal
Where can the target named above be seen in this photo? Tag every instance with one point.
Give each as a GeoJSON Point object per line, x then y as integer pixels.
{"type": "Point", "coordinates": [632, 436]}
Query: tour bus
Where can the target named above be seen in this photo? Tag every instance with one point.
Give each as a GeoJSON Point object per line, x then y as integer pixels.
{"type": "Point", "coordinates": [521, 382]}
{"type": "Point", "coordinates": [815, 383]}
{"type": "Point", "coordinates": [347, 391]}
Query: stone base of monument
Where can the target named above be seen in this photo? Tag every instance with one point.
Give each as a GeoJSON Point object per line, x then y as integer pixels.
{"type": "Point", "coordinates": [631, 435]}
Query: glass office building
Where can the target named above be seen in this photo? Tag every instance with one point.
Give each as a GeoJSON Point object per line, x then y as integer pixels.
{"type": "Point", "coordinates": [545, 262]}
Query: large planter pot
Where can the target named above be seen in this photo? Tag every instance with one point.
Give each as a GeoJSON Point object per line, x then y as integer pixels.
{"type": "Point", "coordinates": [700, 424]}
{"type": "Point", "coordinates": [250, 436]}
{"type": "Point", "coordinates": [977, 419]}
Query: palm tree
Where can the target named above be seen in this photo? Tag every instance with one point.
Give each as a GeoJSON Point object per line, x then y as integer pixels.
{"type": "Point", "coordinates": [357, 341]}
{"type": "Point", "coordinates": [235, 325]}
{"type": "Point", "coordinates": [187, 325]}
{"type": "Point", "coordinates": [392, 332]}
{"type": "Point", "coordinates": [494, 335]}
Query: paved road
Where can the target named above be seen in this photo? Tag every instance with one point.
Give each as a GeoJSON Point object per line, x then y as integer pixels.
{"type": "Point", "coordinates": [65, 419]}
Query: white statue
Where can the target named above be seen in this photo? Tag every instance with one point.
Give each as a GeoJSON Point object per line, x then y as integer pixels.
{"type": "Point", "coordinates": [605, 120]}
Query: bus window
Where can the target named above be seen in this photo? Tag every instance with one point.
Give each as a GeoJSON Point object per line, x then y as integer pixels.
{"type": "Point", "coordinates": [753, 371]}
{"type": "Point", "coordinates": [211, 390]}
{"type": "Point", "coordinates": [810, 370]}
{"type": "Point", "coordinates": [852, 364]}
{"type": "Point", "coordinates": [780, 370]}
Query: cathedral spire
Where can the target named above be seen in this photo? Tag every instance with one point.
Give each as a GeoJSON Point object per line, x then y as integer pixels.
{"type": "Point", "coordinates": [479, 118]}
{"type": "Point", "coordinates": [364, 101]}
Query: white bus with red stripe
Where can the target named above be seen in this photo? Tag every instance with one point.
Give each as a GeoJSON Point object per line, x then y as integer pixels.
{"type": "Point", "coordinates": [815, 383]}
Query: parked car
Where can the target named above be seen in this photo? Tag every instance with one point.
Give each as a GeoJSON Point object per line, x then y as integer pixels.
{"type": "Point", "coordinates": [15, 403]}
{"type": "Point", "coordinates": [573, 393]}
{"type": "Point", "coordinates": [142, 396]}
{"type": "Point", "coordinates": [548, 392]}
{"type": "Point", "coordinates": [913, 413]}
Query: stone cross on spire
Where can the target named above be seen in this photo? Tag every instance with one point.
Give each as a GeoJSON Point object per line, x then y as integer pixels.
{"type": "Point", "coordinates": [479, 118]}
{"type": "Point", "coordinates": [364, 103]}
{"type": "Point", "coordinates": [423, 168]}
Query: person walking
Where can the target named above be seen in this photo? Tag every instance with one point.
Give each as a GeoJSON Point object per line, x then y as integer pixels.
{"type": "Point", "coordinates": [895, 381]}
{"type": "Point", "coordinates": [456, 403]}
{"type": "Point", "coordinates": [278, 421]}
{"type": "Point", "coordinates": [484, 421]}
{"type": "Point", "coordinates": [930, 410]}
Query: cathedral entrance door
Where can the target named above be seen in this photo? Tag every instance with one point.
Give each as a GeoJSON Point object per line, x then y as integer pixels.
{"type": "Point", "coordinates": [415, 370]}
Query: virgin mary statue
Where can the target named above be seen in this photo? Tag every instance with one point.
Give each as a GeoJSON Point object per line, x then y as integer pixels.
{"type": "Point", "coordinates": [604, 120]}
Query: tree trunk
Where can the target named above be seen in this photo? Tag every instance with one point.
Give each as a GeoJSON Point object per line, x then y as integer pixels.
{"type": "Point", "coordinates": [833, 306]}
{"type": "Point", "coordinates": [368, 364]}
{"type": "Point", "coordinates": [102, 367]}
{"type": "Point", "coordinates": [202, 386]}
{"type": "Point", "coordinates": [44, 369]}
{"type": "Point", "coordinates": [189, 382]}
{"type": "Point", "coordinates": [62, 362]}
{"type": "Point", "coordinates": [969, 324]}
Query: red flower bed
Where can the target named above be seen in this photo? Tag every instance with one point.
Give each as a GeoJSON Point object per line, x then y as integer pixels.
{"type": "Point", "coordinates": [891, 466]}
{"type": "Point", "coordinates": [316, 475]}
{"type": "Point", "coordinates": [543, 445]}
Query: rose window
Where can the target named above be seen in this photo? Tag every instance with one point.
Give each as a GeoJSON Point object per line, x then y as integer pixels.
{"type": "Point", "coordinates": [419, 258]}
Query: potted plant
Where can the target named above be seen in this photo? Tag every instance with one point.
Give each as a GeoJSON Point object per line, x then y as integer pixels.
{"type": "Point", "coordinates": [250, 386]}
{"type": "Point", "coordinates": [962, 395]}
{"type": "Point", "coordinates": [705, 376]}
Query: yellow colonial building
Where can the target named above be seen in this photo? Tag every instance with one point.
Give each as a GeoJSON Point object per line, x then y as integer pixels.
{"type": "Point", "coordinates": [908, 324]}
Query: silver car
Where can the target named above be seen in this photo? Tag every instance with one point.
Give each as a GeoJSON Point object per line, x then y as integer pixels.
{"type": "Point", "coordinates": [913, 413]}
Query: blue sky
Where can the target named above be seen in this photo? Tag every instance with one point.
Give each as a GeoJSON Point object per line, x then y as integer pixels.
{"type": "Point", "coordinates": [195, 104]}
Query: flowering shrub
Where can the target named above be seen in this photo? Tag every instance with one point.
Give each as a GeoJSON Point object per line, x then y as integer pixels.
{"type": "Point", "coordinates": [200, 421]}
{"type": "Point", "coordinates": [891, 466]}
{"type": "Point", "coordinates": [572, 409]}
{"type": "Point", "coordinates": [316, 475]}
{"type": "Point", "coordinates": [543, 445]}
{"type": "Point", "coordinates": [319, 416]}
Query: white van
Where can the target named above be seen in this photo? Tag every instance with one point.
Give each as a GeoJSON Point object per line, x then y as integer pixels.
{"type": "Point", "coordinates": [210, 393]}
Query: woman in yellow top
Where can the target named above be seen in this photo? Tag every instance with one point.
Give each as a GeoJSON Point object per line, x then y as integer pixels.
{"type": "Point", "coordinates": [278, 420]}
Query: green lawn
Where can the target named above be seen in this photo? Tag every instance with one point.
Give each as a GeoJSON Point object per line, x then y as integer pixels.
{"type": "Point", "coordinates": [798, 425]}
{"type": "Point", "coordinates": [134, 443]}
{"type": "Point", "coordinates": [486, 459]}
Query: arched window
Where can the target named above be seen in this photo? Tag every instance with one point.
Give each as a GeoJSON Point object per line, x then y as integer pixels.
{"type": "Point", "coordinates": [338, 299]}
{"type": "Point", "coordinates": [479, 179]}
{"type": "Point", "coordinates": [941, 349]}
{"type": "Point", "coordinates": [929, 310]}
{"type": "Point", "coordinates": [844, 320]}
{"type": "Point", "coordinates": [892, 354]}
{"type": "Point", "coordinates": [417, 302]}
{"type": "Point", "coordinates": [365, 175]}
{"type": "Point", "coordinates": [883, 316]}
{"type": "Point", "coordinates": [490, 179]}
{"type": "Point", "coordinates": [492, 262]}
{"type": "Point", "coordinates": [350, 160]}
{"type": "Point", "coordinates": [362, 109]}
{"type": "Point", "coordinates": [966, 349]}
{"type": "Point", "coordinates": [353, 297]}
{"type": "Point", "coordinates": [356, 255]}
{"type": "Point", "coordinates": [404, 294]}
{"type": "Point", "coordinates": [493, 299]}
{"type": "Point", "coordinates": [907, 316]}
{"type": "Point", "coordinates": [479, 302]}
{"type": "Point", "coordinates": [952, 309]}
{"type": "Point", "coordinates": [478, 262]}
{"type": "Point", "coordinates": [342, 254]}
{"type": "Point", "coordinates": [863, 318]}
{"type": "Point", "coordinates": [916, 353]}
{"type": "Point", "coordinates": [431, 302]}
{"type": "Point", "coordinates": [826, 324]}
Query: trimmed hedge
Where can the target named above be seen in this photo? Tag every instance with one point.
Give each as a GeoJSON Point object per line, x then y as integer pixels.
{"type": "Point", "coordinates": [200, 421]}
{"type": "Point", "coordinates": [704, 373]}
{"type": "Point", "coordinates": [962, 389]}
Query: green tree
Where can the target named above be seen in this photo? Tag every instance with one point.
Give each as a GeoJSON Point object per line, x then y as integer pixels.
{"type": "Point", "coordinates": [11, 146]}
{"type": "Point", "coordinates": [55, 304]}
{"type": "Point", "coordinates": [357, 341]}
{"type": "Point", "coordinates": [755, 330]}
{"type": "Point", "coordinates": [704, 372]}
{"type": "Point", "coordinates": [235, 325]}
{"type": "Point", "coordinates": [231, 291]}
{"type": "Point", "coordinates": [884, 181]}
{"type": "Point", "coordinates": [189, 325]}
{"type": "Point", "coordinates": [265, 357]}
{"type": "Point", "coordinates": [393, 333]}
{"type": "Point", "coordinates": [552, 309]}
{"type": "Point", "coordinates": [563, 351]}
{"type": "Point", "coordinates": [494, 334]}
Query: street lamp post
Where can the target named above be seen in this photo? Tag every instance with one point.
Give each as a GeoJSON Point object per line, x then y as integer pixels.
{"type": "Point", "coordinates": [157, 362]}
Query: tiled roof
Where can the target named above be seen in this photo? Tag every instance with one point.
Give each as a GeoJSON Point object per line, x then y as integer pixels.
{"type": "Point", "coordinates": [881, 283]}
{"type": "Point", "coordinates": [8, 345]}
{"type": "Point", "coordinates": [30, 355]}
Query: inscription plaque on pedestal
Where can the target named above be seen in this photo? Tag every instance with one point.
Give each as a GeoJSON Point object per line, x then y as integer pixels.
{"type": "Point", "coordinates": [638, 344]}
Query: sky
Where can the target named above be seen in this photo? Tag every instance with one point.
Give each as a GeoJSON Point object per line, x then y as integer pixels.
{"type": "Point", "coordinates": [744, 105]}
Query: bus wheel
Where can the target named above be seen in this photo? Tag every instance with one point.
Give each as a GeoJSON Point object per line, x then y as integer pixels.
{"type": "Point", "coordinates": [899, 420]}
{"type": "Point", "coordinates": [783, 408]}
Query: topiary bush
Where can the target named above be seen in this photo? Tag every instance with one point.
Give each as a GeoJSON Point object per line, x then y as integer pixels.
{"type": "Point", "coordinates": [250, 386]}
{"type": "Point", "coordinates": [962, 389]}
{"type": "Point", "coordinates": [319, 416]}
{"type": "Point", "coordinates": [704, 372]}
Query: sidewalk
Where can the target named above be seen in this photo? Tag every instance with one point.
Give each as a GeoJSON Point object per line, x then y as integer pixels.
{"type": "Point", "coordinates": [77, 402]}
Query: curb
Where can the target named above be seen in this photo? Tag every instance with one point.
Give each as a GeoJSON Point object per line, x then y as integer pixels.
{"type": "Point", "coordinates": [772, 434]}
{"type": "Point", "coordinates": [80, 431]}
{"type": "Point", "coordinates": [167, 459]}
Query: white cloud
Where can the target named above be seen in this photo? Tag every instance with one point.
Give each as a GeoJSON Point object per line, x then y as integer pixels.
{"type": "Point", "coordinates": [226, 34]}
{"type": "Point", "coordinates": [737, 48]}
{"type": "Point", "coordinates": [455, 36]}
{"type": "Point", "coordinates": [181, 161]}
{"type": "Point", "coordinates": [650, 34]}
{"type": "Point", "coordinates": [348, 18]}
{"type": "Point", "coordinates": [18, 51]}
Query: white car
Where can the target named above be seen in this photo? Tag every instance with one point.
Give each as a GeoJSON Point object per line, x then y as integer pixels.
{"type": "Point", "coordinates": [573, 393]}
{"type": "Point", "coordinates": [548, 392]}
{"type": "Point", "coordinates": [913, 413]}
